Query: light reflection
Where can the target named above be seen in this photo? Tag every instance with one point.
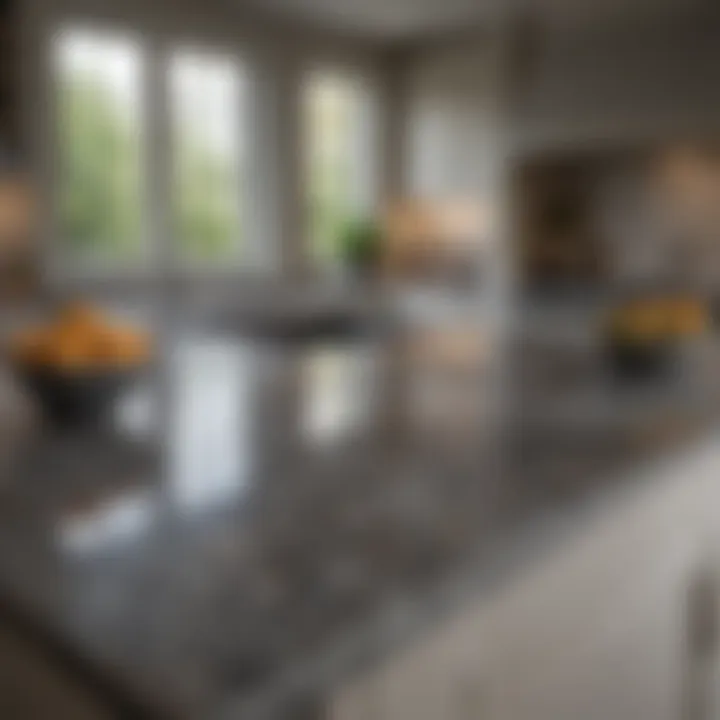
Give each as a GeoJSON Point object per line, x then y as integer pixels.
{"type": "Point", "coordinates": [108, 523]}
{"type": "Point", "coordinates": [135, 414]}
{"type": "Point", "coordinates": [336, 392]}
{"type": "Point", "coordinates": [210, 453]}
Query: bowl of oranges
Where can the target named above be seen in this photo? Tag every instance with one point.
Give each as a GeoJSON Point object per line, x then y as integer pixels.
{"type": "Point", "coordinates": [77, 365]}
{"type": "Point", "coordinates": [645, 335]}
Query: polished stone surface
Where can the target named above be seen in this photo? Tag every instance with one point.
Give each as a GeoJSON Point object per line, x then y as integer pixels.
{"type": "Point", "coordinates": [253, 502]}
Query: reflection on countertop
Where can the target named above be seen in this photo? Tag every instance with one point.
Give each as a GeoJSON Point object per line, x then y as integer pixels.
{"type": "Point", "coordinates": [255, 503]}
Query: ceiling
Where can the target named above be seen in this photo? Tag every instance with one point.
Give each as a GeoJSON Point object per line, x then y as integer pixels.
{"type": "Point", "coordinates": [412, 18]}
{"type": "Point", "coordinates": [383, 17]}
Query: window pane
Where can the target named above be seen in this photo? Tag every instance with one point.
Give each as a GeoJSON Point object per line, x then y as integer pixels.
{"type": "Point", "coordinates": [207, 94]}
{"type": "Point", "coordinates": [99, 148]}
{"type": "Point", "coordinates": [339, 158]}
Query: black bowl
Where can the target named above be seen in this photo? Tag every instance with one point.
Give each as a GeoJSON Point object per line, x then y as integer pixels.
{"type": "Point", "coordinates": [72, 397]}
{"type": "Point", "coordinates": [655, 361]}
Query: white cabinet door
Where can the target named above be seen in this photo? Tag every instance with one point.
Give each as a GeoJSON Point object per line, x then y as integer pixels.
{"type": "Point", "coordinates": [596, 631]}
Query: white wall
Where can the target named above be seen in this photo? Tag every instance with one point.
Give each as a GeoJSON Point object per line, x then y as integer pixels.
{"type": "Point", "coordinates": [610, 79]}
{"type": "Point", "coordinates": [651, 77]}
{"type": "Point", "coordinates": [453, 144]}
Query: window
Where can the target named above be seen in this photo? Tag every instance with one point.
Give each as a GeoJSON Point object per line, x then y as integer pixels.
{"type": "Point", "coordinates": [103, 138]}
{"type": "Point", "coordinates": [339, 128]}
{"type": "Point", "coordinates": [99, 123]}
{"type": "Point", "coordinates": [207, 94]}
{"type": "Point", "coordinates": [101, 151]}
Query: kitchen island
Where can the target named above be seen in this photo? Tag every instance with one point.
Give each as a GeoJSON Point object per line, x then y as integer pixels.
{"type": "Point", "coordinates": [264, 518]}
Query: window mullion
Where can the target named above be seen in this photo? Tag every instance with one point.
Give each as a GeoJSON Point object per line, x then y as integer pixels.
{"type": "Point", "coordinates": [158, 166]}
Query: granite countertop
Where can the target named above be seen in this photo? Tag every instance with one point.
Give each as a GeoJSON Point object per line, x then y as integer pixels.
{"type": "Point", "coordinates": [255, 513]}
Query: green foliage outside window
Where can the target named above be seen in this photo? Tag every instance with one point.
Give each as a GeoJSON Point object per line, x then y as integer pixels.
{"type": "Point", "coordinates": [330, 209]}
{"type": "Point", "coordinates": [206, 211]}
{"type": "Point", "coordinates": [101, 184]}
{"type": "Point", "coordinates": [99, 190]}
{"type": "Point", "coordinates": [332, 125]}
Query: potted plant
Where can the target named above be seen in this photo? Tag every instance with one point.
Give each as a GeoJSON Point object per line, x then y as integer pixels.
{"type": "Point", "coordinates": [360, 246]}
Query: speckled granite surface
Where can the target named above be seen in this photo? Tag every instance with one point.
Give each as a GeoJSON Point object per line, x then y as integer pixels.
{"type": "Point", "coordinates": [252, 505]}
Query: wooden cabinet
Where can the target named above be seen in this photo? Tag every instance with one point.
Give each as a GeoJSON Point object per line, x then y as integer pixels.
{"type": "Point", "coordinates": [36, 686]}
{"type": "Point", "coordinates": [9, 71]}
{"type": "Point", "coordinates": [595, 631]}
